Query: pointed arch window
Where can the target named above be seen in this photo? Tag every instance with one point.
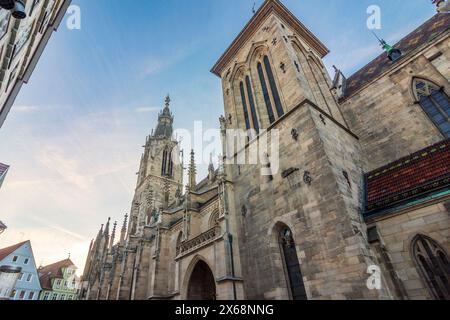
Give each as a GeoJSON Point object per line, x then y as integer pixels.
{"type": "Point", "coordinates": [292, 264]}
{"type": "Point", "coordinates": [273, 86]}
{"type": "Point", "coordinates": [248, 104]}
{"type": "Point", "coordinates": [433, 264]}
{"type": "Point", "coordinates": [265, 91]}
{"type": "Point", "coordinates": [435, 103]}
{"type": "Point", "coordinates": [252, 104]}
{"type": "Point", "coordinates": [244, 105]}
{"type": "Point", "coordinates": [167, 164]}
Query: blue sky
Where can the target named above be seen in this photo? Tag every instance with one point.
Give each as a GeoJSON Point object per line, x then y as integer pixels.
{"type": "Point", "coordinates": [74, 137]}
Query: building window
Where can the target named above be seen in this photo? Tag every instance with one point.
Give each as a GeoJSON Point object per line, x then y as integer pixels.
{"type": "Point", "coordinates": [29, 277]}
{"type": "Point", "coordinates": [54, 296]}
{"type": "Point", "coordinates": [433, 264]}
{"type": "Point", "coordinates": [15, 258]}
{"type": "Point", "coordinates": [244, 105]}
{"type": "Point", "coordinates": [20, 276]}
{"type": "Point", "coordinates": [46, 295]}
{"type": "Point", "coordinates": [167, 164]}
{"type": "Point", "coordinates": [265, 91]}
{"type": "Point", "coordinates": [251, 101]}
{"type": "Point", "coordinates": [63, 297]}
{"type": "Point", "coordinates": [435, 103]}
{"type": "Point", "coordinates": [26, 261]}
{"type": "Point", "coordinates": [273, 87]}
{"type": "Point", "coordinates": [22, 294]}
{"type": "Point", "coordinates": [58, 283]}
{"type": "Point", "coordinates": [31, 295]}
{"type": "Point", "coordinates": [292, 264]}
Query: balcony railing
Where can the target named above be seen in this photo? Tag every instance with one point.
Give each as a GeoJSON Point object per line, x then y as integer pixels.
{"type": "Point", "coordinates": [199, 241]}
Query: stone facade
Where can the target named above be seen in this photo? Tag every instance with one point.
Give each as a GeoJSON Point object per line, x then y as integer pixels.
{"type": "Point", "coordinates": [22, 43]}
{"type": "Point", "coordinates": [294, 224]}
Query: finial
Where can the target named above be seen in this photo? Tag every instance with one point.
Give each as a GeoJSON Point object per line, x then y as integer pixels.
{"type": "Point", "coordinates": [393, 54]}
{"type": "Point", "coordinates": [124, 227]}
{"type": "Point", "coordinates": [167, 100]}
{"type": "Point", "coordinates": [253, 9]}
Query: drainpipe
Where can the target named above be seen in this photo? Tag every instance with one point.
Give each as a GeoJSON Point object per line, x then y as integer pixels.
{"type": "Point", "coordinates": [229, 236]}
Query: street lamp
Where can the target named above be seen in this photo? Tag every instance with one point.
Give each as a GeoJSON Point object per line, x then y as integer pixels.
{"type": "Point", "coordinates": [17, 7]}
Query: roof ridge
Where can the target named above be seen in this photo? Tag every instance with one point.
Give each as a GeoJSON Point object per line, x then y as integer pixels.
{"type": "Point", "coordinates": [360, 78]}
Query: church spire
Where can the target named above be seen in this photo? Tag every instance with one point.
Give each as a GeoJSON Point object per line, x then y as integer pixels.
{"type": "Point", "coordinates": [211, 170]}
{"type": "Point", "coordinates": [106, 232]}
{"type": "Point", "coordinates": [124, 229]}
{"type": "Point", "coordinates": [192, 172]}
{"type": "Point", "coordinates": [113, 235]}
{"type": "Point", "coordinates": [165, 121]}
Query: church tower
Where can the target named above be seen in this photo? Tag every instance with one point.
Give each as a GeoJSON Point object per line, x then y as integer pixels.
{"type": "Point", "coordinates": [160, 174]}
{"type": "Point", "coordinates": [300, 232]}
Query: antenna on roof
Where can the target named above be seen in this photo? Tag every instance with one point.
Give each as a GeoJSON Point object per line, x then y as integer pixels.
{"type": "Point", "coordinates": [254, 6]}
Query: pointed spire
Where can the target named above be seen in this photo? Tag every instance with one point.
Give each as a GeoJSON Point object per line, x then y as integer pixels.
{"type": "Point", "coordinates": [106, 232]}
{"type": "Point", "coordinates": [211, 170]}
{"type": "Point", "coordinates": [192, 171]}
{"type": "Point", "coordinates": [165, 121]}
{"type": "Point", "coordinates": [100, 232]}
{"type": "Point", "coordinates": [167, 101]}
{"type": "Point", "coordinates": [113, 235]}
{"type": "Point", "coordinates": [124, 229]}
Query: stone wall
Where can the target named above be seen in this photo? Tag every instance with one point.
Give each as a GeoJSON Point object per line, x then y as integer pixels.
{"type": "Point", "coordinates": [385, 115]}
{"type": "Point", "coordinates": [396, 232]}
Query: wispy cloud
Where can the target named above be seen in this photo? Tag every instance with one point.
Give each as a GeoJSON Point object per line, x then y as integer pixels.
{"type": "Point", "coordinates": [147, 109]}
{"type": "Point", "coordinates": [26, 109]}
{"type": "Point", "coordinates": [157, 64]}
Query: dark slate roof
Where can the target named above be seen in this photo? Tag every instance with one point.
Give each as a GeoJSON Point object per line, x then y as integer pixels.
{"type": "Point", "coordinates": [53, 271]}
{"type": "Point", "coordinates": [408, 179]}
{"type": "Point", "coordinates": [164, 128]}
{"type": "Point", "coordinates": [423, 35]}
{"type": "Point", "coordinates": [7, 251]}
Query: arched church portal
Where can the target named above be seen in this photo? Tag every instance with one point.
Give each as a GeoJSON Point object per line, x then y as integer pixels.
{"type": "Point", "coordinates": [202, 285]}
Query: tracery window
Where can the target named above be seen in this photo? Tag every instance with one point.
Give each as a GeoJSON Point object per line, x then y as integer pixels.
{"type": "Point", "coordinates": [248, 104]}
{"type": "Point", "coordinates": [292, 264]}
{"type": "Point", "coordinates": [167, 163]}
{"type": "Point", "coordinates": [434, 266]}
{"type": "Point", "coordinates": [269, 89]}
{"type": "Point", "coordinates": [435, 103]}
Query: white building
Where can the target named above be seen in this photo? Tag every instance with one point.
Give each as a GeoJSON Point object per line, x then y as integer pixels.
{"type": "Point", "coordinates": [22, 43]}
{"type": "Point", "coordinates": [27, 285]}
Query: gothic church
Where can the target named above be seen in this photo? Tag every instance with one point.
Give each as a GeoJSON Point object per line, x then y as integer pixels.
{"type": "Point", "coordinates": [363, 185]}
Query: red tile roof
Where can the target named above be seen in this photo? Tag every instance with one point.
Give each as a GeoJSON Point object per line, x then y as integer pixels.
{"type": "Point", "coordinates": [53, 271]}
{"type": "Point", "coordinates": [7, 251]}
{"type": "Point", "coordinates": [421, 36]}
{"type": "Point", "coordinates": [409, 178]}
